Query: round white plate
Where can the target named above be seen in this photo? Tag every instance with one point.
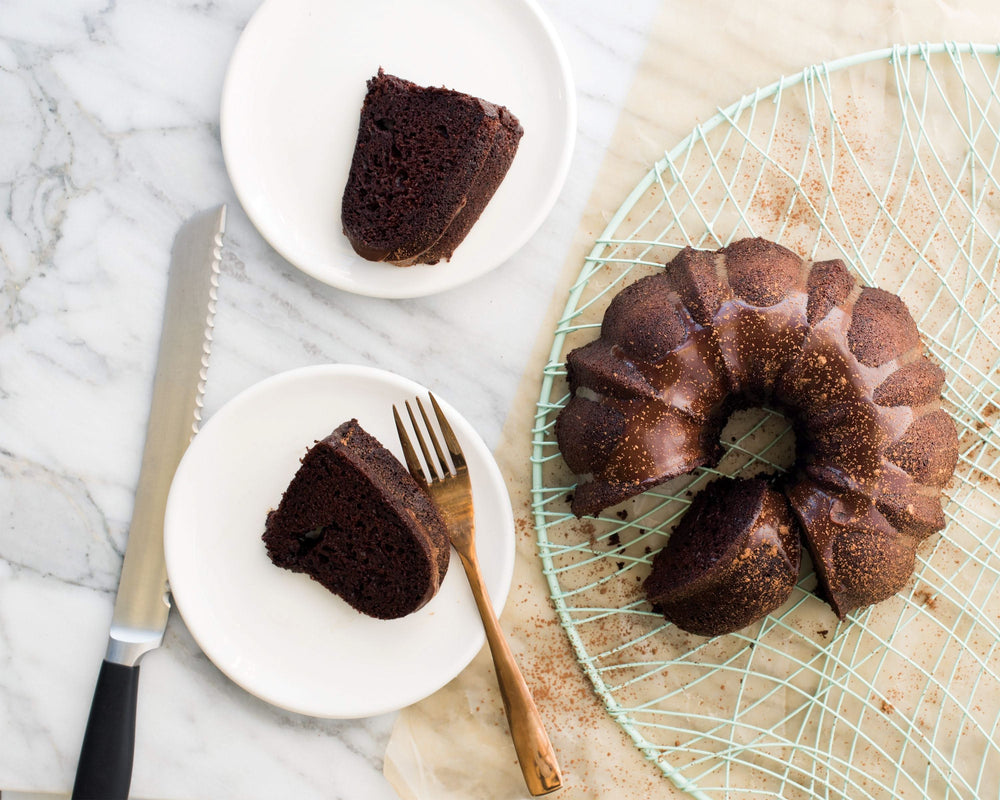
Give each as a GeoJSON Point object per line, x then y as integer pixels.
{"type": "Point", "coordinates": [289, 119]}
{"type": "Point", "coordinates": [279, 634]}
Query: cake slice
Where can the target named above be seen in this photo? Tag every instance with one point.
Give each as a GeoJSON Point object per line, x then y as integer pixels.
{"type": "Point", "coordinates": [482, 190]}
{"type": "Point", "coordinates": [733, 558]}
{"type": "Point", "coordinates": [426, 162]}
{"type": "Point", "coordinates": [354, 520]}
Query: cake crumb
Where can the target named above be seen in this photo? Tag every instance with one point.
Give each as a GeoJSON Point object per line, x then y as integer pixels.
{"type": "Point", "coordinates": [926, 598]}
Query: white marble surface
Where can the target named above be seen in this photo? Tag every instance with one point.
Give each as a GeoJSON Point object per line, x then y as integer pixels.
{"type": "Point", "coordinates": [108, 140]}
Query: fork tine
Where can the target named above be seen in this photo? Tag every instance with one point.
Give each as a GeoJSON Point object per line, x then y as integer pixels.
{"type": "Point", "coordinates": [423, 445]}
{"type": "Point", "coordinates": [412, 462]}
{"type": "Point", "coordinates": [457, 457]}
{"type": "Point", "coordinates": [433, 438]}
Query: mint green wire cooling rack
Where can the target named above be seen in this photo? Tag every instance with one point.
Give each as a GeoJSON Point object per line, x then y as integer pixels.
{"type": "Point", "coordinates": [890, 161]}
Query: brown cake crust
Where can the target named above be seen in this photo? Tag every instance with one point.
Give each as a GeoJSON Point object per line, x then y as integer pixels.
{"type": "Point", "coordinates": [914, 384]}
{"type": "Point", "coordinates": [754, 323]}
{"type": "Point", "coordinates": [695, 277]}
{"type": "Point", "coordinates": [591, 431]}
{"type": "Point", "coordinates": [761, 272]}
{"type": "Point", "coordinates": [928, 450]}
{"type": "Point", "coordinates": [881, 328]}
{"type": "Point", "coordinates": [643, 320]}
{"type": "Point", "coordinates": [354, 520]}
{"type": "Point", "coordinates": [859, 557]}
{"type": "Point", "coordinates": [494, 170]}
{"type": "Point", "coordinates": [828, 285]}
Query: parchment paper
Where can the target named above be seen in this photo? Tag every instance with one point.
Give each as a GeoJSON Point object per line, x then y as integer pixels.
{"type": "Point", "coordinates": [700, 56]}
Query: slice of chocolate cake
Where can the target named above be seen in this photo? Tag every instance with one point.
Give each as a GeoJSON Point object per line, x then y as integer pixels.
{"type": "Point", "coordinates": [732, 558]}
{"type": "Point", "coordinates": [426, 162]}
{"type": "Point", "coordinates": [354, 520]}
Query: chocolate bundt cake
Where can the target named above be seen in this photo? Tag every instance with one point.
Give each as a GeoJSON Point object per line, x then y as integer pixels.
{"type": "Point", "coordinates": [754, 323]}
{"type": "Point", "coordinates": [733, 558]}
{"type": "Point", "coordinates": [354, 520]}
{"type": "Point", "coordinates": [426, 162]}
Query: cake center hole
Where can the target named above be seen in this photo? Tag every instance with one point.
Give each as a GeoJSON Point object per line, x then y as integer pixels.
{"type": "Point", "coordinates": [757, 440]}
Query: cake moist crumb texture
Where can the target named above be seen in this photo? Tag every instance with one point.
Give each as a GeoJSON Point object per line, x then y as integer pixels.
{"type": "Point", "coordinates": [426, 162]}
{"type": "Point", "coordinates": [749, 324]}
{"type": "Point", "coordinates": [354, 520]}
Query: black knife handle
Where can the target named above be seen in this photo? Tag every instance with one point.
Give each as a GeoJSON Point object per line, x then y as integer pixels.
{"type": "Point", "coordinates": [105, 768]}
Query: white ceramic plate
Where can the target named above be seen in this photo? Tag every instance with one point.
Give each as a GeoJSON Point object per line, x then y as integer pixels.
{"type": "Point", "coordinates": [289, 120]}
{"type": "Point", "coordinates": [278, 634]}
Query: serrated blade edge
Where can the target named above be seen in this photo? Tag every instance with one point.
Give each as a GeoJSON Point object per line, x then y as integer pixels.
{"type": "Point", "coordinates": [213, 299]}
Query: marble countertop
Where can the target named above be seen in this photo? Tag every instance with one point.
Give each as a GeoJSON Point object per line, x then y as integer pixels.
{"type": "Point", "coordinates": [109, 139]}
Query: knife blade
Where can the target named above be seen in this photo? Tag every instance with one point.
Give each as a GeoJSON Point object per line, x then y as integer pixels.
{"type": "Point", "coordinates": [142, 603]}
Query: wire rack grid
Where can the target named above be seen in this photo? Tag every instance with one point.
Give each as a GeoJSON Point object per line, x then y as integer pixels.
{"type": "Point", "coordinates": [888, 160]}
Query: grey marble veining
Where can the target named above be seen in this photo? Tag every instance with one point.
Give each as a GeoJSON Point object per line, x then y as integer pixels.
{"type": "Point", "coordinates": [108, 141]}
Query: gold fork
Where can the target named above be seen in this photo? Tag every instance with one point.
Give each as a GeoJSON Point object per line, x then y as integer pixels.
{"type": "Point", "coordinates": [451, 490]}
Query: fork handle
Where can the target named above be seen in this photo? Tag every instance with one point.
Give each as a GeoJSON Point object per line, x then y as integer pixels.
{"type": "Point", "coordinates": [535, 753]}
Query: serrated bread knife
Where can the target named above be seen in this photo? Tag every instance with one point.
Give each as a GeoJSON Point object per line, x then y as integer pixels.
{"type": "Point", "coordinates": [142, 605]}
